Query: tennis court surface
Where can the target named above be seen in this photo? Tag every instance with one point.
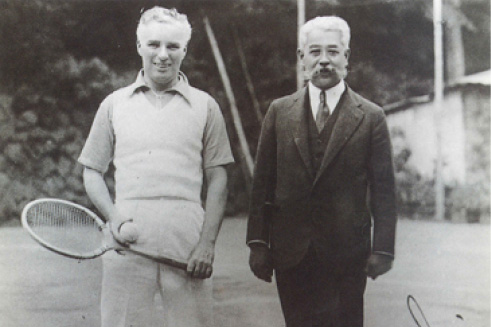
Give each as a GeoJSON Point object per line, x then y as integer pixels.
{"type": "Point", "coordinates": [446, 267]}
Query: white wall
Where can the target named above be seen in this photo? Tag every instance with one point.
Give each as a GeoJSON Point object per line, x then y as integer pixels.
{"type": "Point", "coordinates": [418, 123]}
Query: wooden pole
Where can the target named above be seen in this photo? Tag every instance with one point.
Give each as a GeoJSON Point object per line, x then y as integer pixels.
{"type": "Point", "coordinates": [438, 101]}
{"type": "Point", "coordinates": [245, 70]}
{"type": "Point", "coordinates": [244, 146]}
{"type": "Point", "coordinates": [300, 22]}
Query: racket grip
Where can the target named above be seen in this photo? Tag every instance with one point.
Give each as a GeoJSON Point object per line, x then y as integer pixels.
{"type": "Point", "coordinates": [173, 263]}
{"type": "Point", "coordinates": [160, 259]}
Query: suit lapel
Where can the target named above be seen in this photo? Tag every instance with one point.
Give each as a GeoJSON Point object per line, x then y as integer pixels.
{"type": "Point", "coordinates": [299, 128]}
{"type": "Point", "coordinates": [350, 117]}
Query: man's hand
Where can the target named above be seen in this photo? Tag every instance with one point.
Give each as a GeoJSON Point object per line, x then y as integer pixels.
{"type": "Point", "coordinates": [115, 224]}
{"type": "Point", "coordinates": [200, 264]}
{"type": "Point", "coordinates": [378, 264]}
{"type": "Point", "coordinates": [260, 262]}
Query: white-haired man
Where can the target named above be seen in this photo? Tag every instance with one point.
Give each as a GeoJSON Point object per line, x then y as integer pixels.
{"type": "Point", "coordinates": [323, 173]}
{"type": "Point", "coordinates": [162, 136]}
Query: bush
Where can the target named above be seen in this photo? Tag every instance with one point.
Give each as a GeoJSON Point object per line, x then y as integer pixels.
{"type": "Point", "coordinates": [44, 130]}
{"type": "Point", "coordinates": [415, 194]}
{"type": "Point", "coordinates": [468, 203]}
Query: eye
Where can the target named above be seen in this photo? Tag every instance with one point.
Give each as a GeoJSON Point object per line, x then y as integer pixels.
{"type": "Point", "coordinates": [315, 52]}
{"type": "Point", "coordinates": [333, 52]}
{"type": "Point", "coordinates": [173, 46]}
{"type": "Point", "coordinates": [153, 45]}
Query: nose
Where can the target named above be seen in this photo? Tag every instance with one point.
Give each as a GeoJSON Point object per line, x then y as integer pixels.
{"type": "Point", "coordinates": [162, 54]}
{"type": "Point", "coordinates": [324, 59]}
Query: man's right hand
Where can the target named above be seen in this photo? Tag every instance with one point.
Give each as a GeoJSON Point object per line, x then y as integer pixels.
{"type": "Point", "coordinates": [260, 262]}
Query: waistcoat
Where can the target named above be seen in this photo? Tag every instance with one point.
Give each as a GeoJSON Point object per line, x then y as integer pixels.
{"type": "Point", "coordinates": [318, 141]}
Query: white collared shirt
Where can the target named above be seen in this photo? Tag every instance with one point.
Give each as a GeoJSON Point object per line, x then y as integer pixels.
{"type": "Point", "coordinates": [333, 95]}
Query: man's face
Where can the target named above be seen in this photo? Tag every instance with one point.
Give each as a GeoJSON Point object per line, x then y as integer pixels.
{"type": "Point", "coordinates": [162, 48]}
{"type": "Point", "coordinates": [324, 57]}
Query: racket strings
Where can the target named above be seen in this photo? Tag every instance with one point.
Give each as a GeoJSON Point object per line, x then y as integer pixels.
{"type": "Point", "coordinates": [66, 227]}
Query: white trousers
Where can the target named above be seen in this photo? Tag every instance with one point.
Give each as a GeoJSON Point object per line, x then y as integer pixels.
{"type": "Point", "coordinates": [130, 283]}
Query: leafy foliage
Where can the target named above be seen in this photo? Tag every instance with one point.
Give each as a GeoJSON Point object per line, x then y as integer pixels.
{"type": "Point", "coordinates": [43, 133]}
{"type": "Point", "coordinates": [468, 203]}
{"type": "Point", "coordinates": [415, 194]}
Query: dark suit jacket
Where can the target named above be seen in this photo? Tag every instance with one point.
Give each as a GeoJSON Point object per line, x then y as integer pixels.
{"type": "Point", "coordinates": [292, 207]}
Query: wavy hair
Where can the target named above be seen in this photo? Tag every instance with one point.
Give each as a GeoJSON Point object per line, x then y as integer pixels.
{"type": "Point", "coordinates": [165, 16]}
{"type": "Point", "coordinates": [327, 23]}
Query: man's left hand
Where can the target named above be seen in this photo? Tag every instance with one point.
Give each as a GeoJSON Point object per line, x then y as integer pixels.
{"type": "Point", "coordinates": [378, 264]}
{"type": "Point", "coordinates": [200, 264]}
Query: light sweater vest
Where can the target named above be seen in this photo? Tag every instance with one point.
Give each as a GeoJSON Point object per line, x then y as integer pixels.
{"type": "Point", "coordinates": [158, 152]}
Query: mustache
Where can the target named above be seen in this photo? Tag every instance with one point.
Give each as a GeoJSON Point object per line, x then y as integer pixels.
{"type": "Point", "coordinates": [324, 70]}
{"type": "Point", "coordinates": [316, 72]}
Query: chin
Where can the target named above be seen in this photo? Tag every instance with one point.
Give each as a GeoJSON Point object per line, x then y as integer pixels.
{"type": "Point", "coordinates": [164, 78]}
{"type": "Point", "coordinates": [161, 74]}
{"type": "Point", "coordinates": [325, 83]}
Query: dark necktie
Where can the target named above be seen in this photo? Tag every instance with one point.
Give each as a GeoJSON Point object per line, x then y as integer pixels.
{"type": "Point", "coordinates": [322, 112]}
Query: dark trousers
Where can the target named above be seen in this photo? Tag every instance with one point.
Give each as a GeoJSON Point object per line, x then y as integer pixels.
{"type": "Point", "coordinates": [312, 296]}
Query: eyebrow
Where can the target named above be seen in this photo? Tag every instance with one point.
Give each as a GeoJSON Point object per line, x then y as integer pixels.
{"type": "Point", "coordinates": [172, 43]}
{"type": "Point", "coordinates": [334, 46]}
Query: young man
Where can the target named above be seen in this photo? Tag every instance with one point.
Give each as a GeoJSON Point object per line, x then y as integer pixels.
{"type": "Point", "coordinates": [323, 173]}
{"type": "Point", "coordinates": [162, 135]}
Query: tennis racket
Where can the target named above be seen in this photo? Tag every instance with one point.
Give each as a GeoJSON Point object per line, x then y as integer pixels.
{"type": "Point", "coordinates": [410, 299]}
{"type": "Point", "coordinates": [74, 231]}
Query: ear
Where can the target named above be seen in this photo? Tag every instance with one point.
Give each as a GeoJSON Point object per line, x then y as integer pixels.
{"type": "Point", "coordinates": [347, 53]}
{"type": "Point", "coordinates": [138, 47]}
{"type": "Point", "coordinates": [300, 54]}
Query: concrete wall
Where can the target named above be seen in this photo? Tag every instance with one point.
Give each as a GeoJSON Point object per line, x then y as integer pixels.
{"type": "Point", "coordinates": [419, 123]}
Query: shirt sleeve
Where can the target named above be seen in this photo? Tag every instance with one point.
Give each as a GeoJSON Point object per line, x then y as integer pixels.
{"type": "Point", "coordinates": [98, 150]}
{"type": "Point", "coordinates": [216, 145]}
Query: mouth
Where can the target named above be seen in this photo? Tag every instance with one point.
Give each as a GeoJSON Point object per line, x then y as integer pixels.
{"type": "Point", "coordinates": [161, 66]}
{"type": "Point", "coordinates": [325, 71]}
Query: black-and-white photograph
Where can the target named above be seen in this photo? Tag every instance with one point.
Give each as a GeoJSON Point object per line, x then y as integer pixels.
{"type": "Point", "coordinates": [245, 163]}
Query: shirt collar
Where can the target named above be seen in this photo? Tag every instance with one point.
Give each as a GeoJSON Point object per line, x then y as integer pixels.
{"type": "Point", "coordinates": [333, 95]}
{"type": "Point", "coordinates": [181, 87]}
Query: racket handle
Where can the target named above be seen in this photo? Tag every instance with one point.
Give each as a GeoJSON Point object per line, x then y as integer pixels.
{"type": "Point", "coordinates": [160, 259]}
{"type": "Point", "coordinates": [173, 263]}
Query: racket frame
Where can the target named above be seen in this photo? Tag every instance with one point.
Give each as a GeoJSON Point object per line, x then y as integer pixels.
{"type": "Point", "coordinates": [103, 229]}
{"type": "Point", "coordinates": [100, 224]}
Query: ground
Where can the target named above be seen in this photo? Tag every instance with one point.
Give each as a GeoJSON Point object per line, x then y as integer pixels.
{"type": "Point", "coordinates": [446, 267]}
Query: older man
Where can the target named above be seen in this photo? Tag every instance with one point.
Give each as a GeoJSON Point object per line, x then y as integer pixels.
{"type": "Point", "coordinates": [162, 136]}
{"type": "Point", "coordinates": [323, 173]}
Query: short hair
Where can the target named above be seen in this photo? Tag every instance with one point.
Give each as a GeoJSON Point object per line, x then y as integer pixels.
{"type": "Point", "coordinates": [327, 23]}
{"type": "Point", "coordinates": [164, 16]}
